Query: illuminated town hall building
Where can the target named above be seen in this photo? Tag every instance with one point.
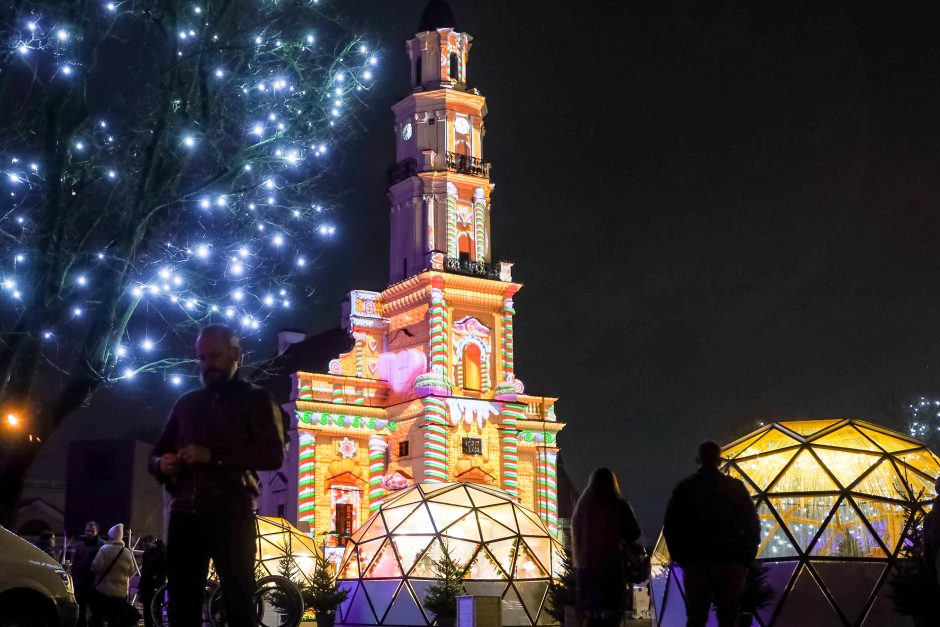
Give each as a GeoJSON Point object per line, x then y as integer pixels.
{"type": "Point", "coordinates": [428, 390]}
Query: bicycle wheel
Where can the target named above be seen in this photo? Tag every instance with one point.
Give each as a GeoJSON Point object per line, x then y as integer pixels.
{"type": "Point", "coordinates": [158, 607]}
{"type": "Point", "coordinates": [278, 602]}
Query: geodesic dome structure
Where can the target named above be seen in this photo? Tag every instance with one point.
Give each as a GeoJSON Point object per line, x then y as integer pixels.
{"type": "Point", "coordinates": [388, 563]}
{"type": "Point", "coordinates": [834, 498]}
{"type": "Point", "coordinates": [278, 541]}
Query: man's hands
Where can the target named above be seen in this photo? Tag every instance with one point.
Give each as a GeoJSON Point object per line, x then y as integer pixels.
{"type": "Point", "coordinates": [169, 465]}
{"type": "Point", "coordinates": [194, 454]}
{"type": "Point", "coordinates": [172, 463]}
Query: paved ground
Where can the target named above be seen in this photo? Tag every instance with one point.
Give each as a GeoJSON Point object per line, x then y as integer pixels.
{"type": "Point", "coordinates": [637, 623]}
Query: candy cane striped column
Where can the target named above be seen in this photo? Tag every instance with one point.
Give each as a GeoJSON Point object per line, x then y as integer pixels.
{"type": "Point", "coordinates": [507, 345]}
{"type": "Point", "coordinates": [511, 414]}
{"type": "Point", "coordinates": [377, 446]}
{"type": "Point", "coordinates": [435, 440]}
{"type": "Point", "coordinates": [452, 225]}
{"type": "Point", "coordinates": [548, 489]}
{"type": "Point", "coordinates": [479, 230]}
{"type": "Point", "coordinates": [306, 488]}
{"type": "Point", "coordinates": [438, 332]}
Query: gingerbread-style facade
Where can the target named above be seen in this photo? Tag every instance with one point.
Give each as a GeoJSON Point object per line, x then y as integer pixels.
{"type": "Point", "coordinates": [428, 392]}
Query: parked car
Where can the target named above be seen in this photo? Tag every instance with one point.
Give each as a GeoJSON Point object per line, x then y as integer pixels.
{"type": "Point", "coordinates": [35, 591]}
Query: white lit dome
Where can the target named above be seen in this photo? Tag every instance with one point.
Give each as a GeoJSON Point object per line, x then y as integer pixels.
{"type": "Point", "coordinates": [833, 497]}
{"type": "Point", "coordinates": [388, 564]}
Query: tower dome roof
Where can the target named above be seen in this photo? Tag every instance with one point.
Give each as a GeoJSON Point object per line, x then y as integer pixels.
{"type": "Point", "coordinates": [437, 14]}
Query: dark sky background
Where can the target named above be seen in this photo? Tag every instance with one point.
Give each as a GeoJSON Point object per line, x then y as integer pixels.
{"type": "Point", "coordinates": [722, 212]}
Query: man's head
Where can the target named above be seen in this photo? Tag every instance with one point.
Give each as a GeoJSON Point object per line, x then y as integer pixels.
{"type": "Point", "coordinates": [91, 530]}
{"type": "Point", "coordinates": [709, 454]}
{"type": "Point", "coordinates": [218, 351]}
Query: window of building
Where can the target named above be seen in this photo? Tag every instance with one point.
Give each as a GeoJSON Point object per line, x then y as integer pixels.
{"type": "Point", "coordinates": [418, 71]}
{"type": "Point", "coordinates": [463, 247]}
{"type": "Point", "coordinates": [454, 66]}
{"type": "Point", "coordinates": [471, 367]}
{"type": "Point", "coordinates": [344, 521]}
{"type": "Point", "coordinates": [403, 448]}
{"type": "Point", "coordinates": [472, 446]}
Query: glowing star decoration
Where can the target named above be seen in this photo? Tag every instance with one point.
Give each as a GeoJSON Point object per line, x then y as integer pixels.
{"type": "Point", "coordinates": [468, 410]}
{"type": "Point", "coordinates": [347, 448]}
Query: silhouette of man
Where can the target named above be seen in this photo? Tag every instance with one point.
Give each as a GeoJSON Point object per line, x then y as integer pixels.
{"type": "Point", "coordinates": [712, 531]}
{"type": "Point", "coordinates": [214, 441]}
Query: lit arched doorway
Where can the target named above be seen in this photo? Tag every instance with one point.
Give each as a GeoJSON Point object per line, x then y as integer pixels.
{"type": "Point", "coordinates": [472, 358]}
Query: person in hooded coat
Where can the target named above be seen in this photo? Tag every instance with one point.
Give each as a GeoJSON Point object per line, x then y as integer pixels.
{"type": "Point", "coordinates": [113, 567]}
{"type": "Point", "coordinates": [603, 524]}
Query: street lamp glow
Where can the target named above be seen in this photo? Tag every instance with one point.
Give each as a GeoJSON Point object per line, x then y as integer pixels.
{"type": "Point", "coordinates": [13, 420]}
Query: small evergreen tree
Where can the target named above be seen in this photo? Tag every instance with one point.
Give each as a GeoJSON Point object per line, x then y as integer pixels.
{"type": "Point", "coordinates": [912, 590]}
{"type": "Point", "coordinates": [561, 591]}
{"type": "Point", "coordinates": [441, 598]}
{"type": "Point", "coordinates": [323, 594]}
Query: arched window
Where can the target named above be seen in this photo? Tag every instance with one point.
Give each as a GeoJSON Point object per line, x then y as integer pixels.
{"type": "Point", "coordinates": [463, 247]}
{"type": "Point", "coordinates": [471, 367]}
{"type": "Point", "coordinates": [454, 66]}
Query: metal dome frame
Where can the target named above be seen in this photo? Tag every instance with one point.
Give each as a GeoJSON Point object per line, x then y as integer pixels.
{"type": "Point", "coordinates": [507, 550]}
{"type": "Point", "coordinates": [835, 499]}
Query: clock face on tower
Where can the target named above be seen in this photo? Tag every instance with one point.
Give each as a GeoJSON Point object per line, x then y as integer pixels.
{"type": "Point", "coordinates": [462, 125]}
{"type": "Point", "coordinates": [406, 131]}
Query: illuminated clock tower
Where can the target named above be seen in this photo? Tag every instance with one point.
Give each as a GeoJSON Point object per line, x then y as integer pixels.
{"type": "Point", "coordinates": [427, 391]}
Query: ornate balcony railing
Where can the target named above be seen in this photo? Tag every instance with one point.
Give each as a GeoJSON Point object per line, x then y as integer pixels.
{"type": "Point", "coordinates": [465, 164]}
{"type": "Point", "coordinates": [480, 269]}
{"type": "Point", "coordinates": [402, 170]}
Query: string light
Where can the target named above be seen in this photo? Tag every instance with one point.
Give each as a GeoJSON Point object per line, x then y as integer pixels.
{"type": "Point", "coordinates": [277, 106]}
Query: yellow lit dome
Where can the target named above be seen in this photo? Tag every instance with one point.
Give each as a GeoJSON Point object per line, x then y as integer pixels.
{"type": "Point", "coordinates": [388, 564]}
{"type": "Point", "coordinates": [279, 540]}
{"type": "Point", "coordinates": [833, 497]}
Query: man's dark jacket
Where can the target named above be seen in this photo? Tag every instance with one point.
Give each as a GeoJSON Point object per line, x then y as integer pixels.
{"type": "Point", "coordinates": [85, 552]}
{"type": "Point", "coordinates": [241, 426]}
{"type": "Point", "coordinates": [711, 519]}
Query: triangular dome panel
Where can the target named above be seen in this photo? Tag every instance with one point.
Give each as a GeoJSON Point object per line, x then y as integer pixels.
{"type": "Point", "coordinates": [807, 605]}
{"type": "Point", "coordinates": [847, 466]}
{"type": "Point", "coordinates": [890, 443]}
{"type": "Point", "coordinates": [527, 524]}
{"type": "Point", "coordinates": [731, 471]}
{"type": "Point", "coordinates": [350, 588]}
{"type": "Point", "coordinates": [923, 460]}
{"type": "Point", "coordinates": [532, 595]}
{"type": "Point", "coordinates": [763, 470]}
{"type": "Point", "coordinates": [485, 588]}
{"type": "Point", "coordinates": [504, 552]}
{"type": "Point", "coordinates": [803, 515]}
{"type": "Point", "coordinates": [395, 515]}
{"type": "Point", "coordinates": [674, 605]}
{"type": "Point", "coordinates": [445, 514]}
{"type": "Point", "coordinates": [465, 529]}
{"type": "Point", "coordinates": [412, 495]}
{"type": "Point", "coordinates": [513, 611]}
{"type": "Point", "coordinates": [485, 566]}
{"type": "Point", "coordinates": [455, 496]}
{"type": "Point", "coordinates": [420, 588]}
{"type": "Point", "coordinates": [807, 428]}
{"type": "Point", "coordinates": [777, 576]}
{"type": "Point", "coordinates": [921, 488]}
{"type": "Point", "coordinates": [385, 563]}
{"type": "Point", "coordinates": [850, 584]}
{"type": "Point", "coordinates": [772, 440]}
{"type": "Point", "coordinates": [410, 549]}
{"type": "Point", "coordinates": [848, 437]}
{"type": "Point", "coordinates": [882, 612]}
{"type": "Point", "coordinates": [847, 536]}
{"type": "Point", "coordinates": [805, 474]}
{"type": "Point", "coordinates": [404, 610]}
{"type": "Point", "coordinates": [740, 448]}
{"type": "Point", "coordinates": [359, 611]}
{"type": "Point", "coordinates": [419, 521]}
{"type": "Point", "coordinates": [432, 491]}
{"type": "Point", "coordinates": [350, 568]}
{"type": "Point", "coordinates": [887, 519]}
{"type": "Point", "coordinates": [381, 594]}
{"type": "Point", "coordinates": [494, 530]}
{"type": "Point", "coordinates": [775, 543]}
{"type": "Point", "coordinates": [883, 481]}
{"type": "Point", "coordinates": [376, 529]}
{"type": "Point", "coordinates": [482, 498]}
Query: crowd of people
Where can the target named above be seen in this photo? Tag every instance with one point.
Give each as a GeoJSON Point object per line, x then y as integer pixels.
{"type": "Point", "coordinates": [103, 570]}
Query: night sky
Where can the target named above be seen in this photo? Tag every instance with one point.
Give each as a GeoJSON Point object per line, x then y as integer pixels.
{"type": "Point", "coordinates": [722, 213]}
